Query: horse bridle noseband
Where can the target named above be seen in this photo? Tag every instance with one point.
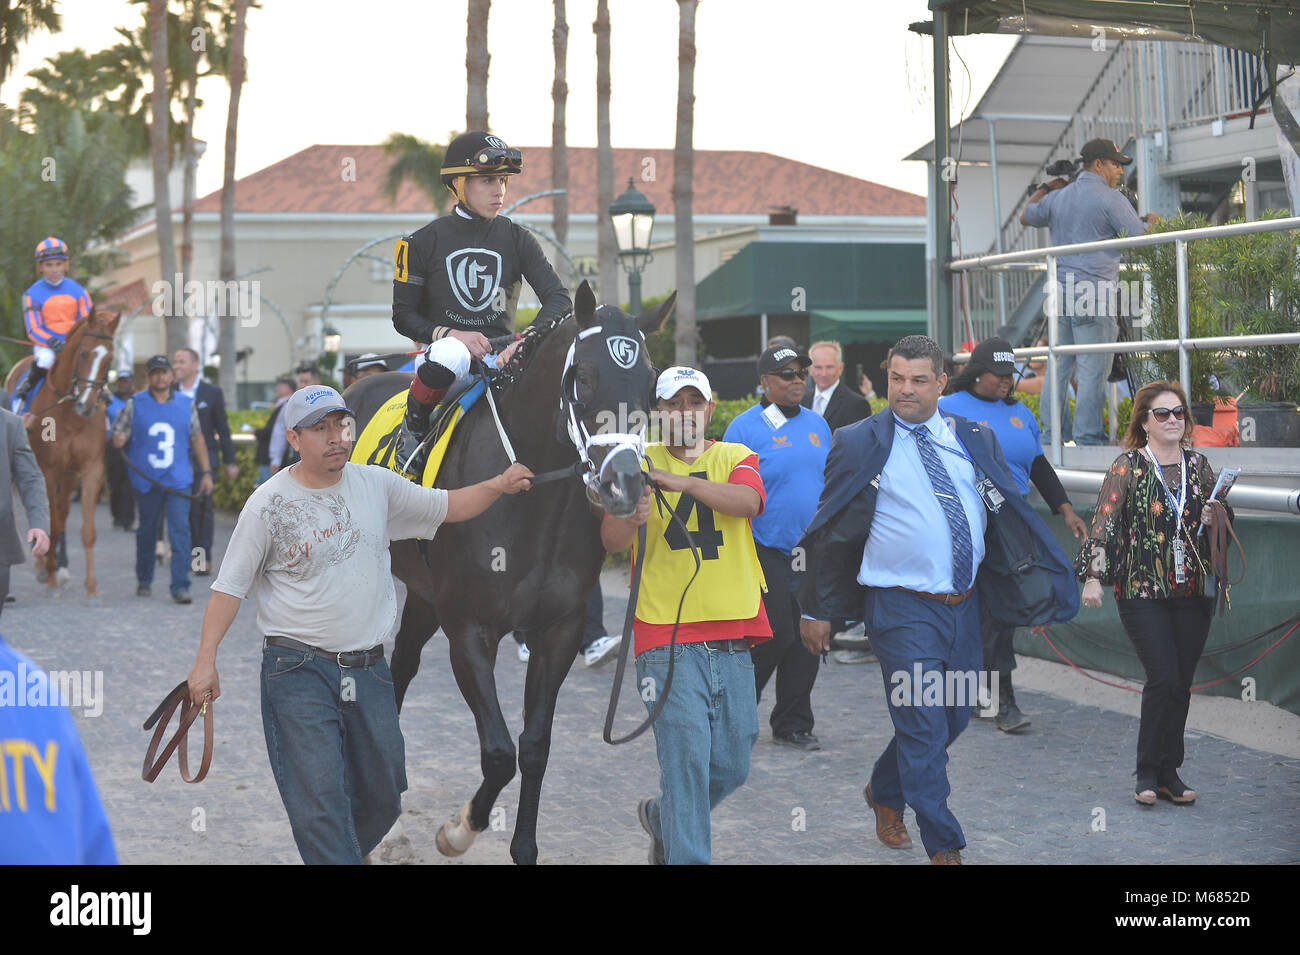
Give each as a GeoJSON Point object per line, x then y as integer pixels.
{"type": "Point", "coordinates": [77, 379]}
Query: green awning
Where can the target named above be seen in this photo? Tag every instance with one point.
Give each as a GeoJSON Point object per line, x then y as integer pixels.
{"type": "Point", "coordinates": [1244, 24]}
{"type": "Point", "coordinates": [848, 325]}
{"type": "Point", "coordinates": [788, 278]}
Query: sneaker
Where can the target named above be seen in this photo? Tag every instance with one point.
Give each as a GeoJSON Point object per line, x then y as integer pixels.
{"type": "Point", "coordinates": [854, 638]}
{"type": "Point", "coordinates": [524, 654]}
{"type": "Point", "coordinates": [656, 855]}
{"type": "Point", "coordinates": [853, 656]}
{"type": "Point", "coordinates": [183, 596]}
{"type": "Point", "coordinates": [602, 651]}
{"type": "Point", "coordinates": [143, 590]}
{"type": "Point", "coordinates": [805, 741]}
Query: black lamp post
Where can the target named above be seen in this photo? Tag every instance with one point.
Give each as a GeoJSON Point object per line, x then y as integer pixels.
{"type": "Point", "coordinates": [634, 218]}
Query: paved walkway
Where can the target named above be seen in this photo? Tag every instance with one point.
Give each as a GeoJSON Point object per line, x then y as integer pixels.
{"type": "Point", "coordinates": [1037, 798]}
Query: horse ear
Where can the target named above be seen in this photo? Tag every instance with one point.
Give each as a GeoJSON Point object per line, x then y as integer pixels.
{"type": "Point", "coordinates": [584, 305]}
{"type": "Point", "coordinates": [109, 320]}
{"type": "Point", "coordinates": [652, 319]}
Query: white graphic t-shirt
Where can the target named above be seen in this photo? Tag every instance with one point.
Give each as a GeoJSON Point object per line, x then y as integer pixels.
{"type": "Point", "coordinates": [317, 560]}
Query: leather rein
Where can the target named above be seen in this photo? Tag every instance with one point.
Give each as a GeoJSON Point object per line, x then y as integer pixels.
{"type": "Point", "coordinates": [77, 380]}
{"type": "Point", "coordinates": [163, 716]}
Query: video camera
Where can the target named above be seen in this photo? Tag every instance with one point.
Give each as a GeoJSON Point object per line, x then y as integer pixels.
{"type": "Point", "coordinates": [1067, 169]}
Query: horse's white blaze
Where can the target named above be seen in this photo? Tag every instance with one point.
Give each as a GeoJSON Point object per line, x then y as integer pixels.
{"type": "Point", "coordinates": [457, 831]}
{"type": "Point", "coordinates": [100, 353]}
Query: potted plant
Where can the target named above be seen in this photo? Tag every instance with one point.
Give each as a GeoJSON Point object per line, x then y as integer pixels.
{"type": "Point", "coordinates": [1256, 289]}
{"type": "Point", "coordinates": [1160, 262]}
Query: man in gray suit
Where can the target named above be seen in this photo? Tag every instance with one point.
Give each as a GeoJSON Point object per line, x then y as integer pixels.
{"type": "Point", "coordinates": [18, 467]}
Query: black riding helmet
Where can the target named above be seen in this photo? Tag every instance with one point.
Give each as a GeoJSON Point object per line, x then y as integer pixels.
{"type": "Point", "coordinates": [477, 153]}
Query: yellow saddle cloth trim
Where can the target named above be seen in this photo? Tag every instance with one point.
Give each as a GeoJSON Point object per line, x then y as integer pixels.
{"type": "Point", "coordinates": [378, 441]}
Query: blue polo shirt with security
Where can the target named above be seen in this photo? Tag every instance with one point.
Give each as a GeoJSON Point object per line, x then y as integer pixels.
{"type": "Point", "coordinates": [50, 811]}
{"type": "Point", "coordinates": [1015, 426]}
{"type": "Point", "coordinates": [792, 462]}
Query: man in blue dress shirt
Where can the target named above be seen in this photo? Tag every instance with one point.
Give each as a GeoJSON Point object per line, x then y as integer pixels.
{"type": "Point", "coordinates": [1086, 210]}
{"type": "Point", "coordinates": [903, 515]}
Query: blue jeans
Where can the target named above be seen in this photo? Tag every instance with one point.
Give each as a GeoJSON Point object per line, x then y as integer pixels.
{"type": "Point", "coordinates": [336, 751]}
{"type": "Point", "coordinates": [703, 738]}
{"type": "Point", "coordinates": [151, 504]}
{"type": "Point", "coordinates": [1091, 371]}
{"type": "Point", "coordinates": [907, 630]}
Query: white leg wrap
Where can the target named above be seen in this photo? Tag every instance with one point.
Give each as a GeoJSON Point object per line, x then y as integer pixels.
{"type": "Point", "coordinates": [44, 356]}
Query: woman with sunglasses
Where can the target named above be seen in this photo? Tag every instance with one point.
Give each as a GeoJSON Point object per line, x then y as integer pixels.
{"type": "Point", "coordinates": [1145, 541]}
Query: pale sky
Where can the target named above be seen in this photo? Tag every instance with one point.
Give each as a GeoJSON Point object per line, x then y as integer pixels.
{"type": "Point", "coordinates": [840, 84]}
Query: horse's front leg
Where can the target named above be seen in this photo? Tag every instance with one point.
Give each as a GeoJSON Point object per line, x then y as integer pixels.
{"type": "Point", "coordinates": [473, 658]}
{"type": "Point", "coordinates": [549, 663]}
{"type": "Point", "coordinates": [419, 623]}
{"type": "Point", "coordinates": [58, 494]}
{"type": "Point", "coordinates": [92, 480]}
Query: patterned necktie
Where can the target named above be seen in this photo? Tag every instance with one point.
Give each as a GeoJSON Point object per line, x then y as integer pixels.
{"type": "Point", "coordinates": [958, 526]}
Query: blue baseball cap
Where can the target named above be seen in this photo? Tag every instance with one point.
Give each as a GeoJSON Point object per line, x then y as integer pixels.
{"type": "Point", "coordinates": [308, 405]}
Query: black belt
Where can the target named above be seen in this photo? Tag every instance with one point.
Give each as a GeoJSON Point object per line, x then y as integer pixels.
{"type": "Point", "coordinates": [729, 646]}
{"type": "Point", "coordinates": [347, 658]}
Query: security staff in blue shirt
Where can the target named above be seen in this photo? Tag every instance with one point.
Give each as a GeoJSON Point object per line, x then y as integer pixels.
{"type": "Point", "coordinates": [916, 512]}
{"type": "Point", "coordinates": [50, 812]}
{"type": "Point", "coordinates": [982, 393]}
{"type": "Point", "coordinates": [791, 443]}
{"type": "Point", "coordinates": [1086, 210]}
{"type": "Point", "coordinates": [154, 427]}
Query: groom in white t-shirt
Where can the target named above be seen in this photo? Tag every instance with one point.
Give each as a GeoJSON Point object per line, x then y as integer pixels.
{"type": "Point", "coordinates": [312, 545]}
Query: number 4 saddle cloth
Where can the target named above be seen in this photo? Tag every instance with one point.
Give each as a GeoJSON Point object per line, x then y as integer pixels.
{"type": "Point", "coordinates": [378, 441]}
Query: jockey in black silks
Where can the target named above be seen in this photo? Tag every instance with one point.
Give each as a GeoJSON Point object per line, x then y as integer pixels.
{"type": "Point", "coordinates": [456, 281]}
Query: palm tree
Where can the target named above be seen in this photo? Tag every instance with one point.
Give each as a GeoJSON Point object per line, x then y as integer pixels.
{"type": "Point", "coordinates": [606, 249]}
{"type": "Point", "coordinates": [559, 147]}
{"type": "Point", "coordinates": [19, 19]}
{"type": "Point", "coordinates": [420, 163]}
{"type": "Point", "coordinates": [160, 149]}
{"type": "Point", "coordinates": [234, 16]}
{"type": "Point", "coordinates": [476, 65]}
{"type": "Point", "coordinates": [683, 170]}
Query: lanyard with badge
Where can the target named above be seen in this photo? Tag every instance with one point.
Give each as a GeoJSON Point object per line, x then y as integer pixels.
{"type": "Point", "coordinates": [1180, 555]}
{"type": "Point", "coordinates": [989, 494]}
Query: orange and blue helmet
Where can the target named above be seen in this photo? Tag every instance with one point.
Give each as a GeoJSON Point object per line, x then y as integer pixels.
{"type": "Point", "coordinates": [51, 248]}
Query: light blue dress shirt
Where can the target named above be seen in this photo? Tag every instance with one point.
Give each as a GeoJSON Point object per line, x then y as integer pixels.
{"type": "Point", "coordinates": [1087, 210]}
{"type": "Point", "coordinates": [909, 545]}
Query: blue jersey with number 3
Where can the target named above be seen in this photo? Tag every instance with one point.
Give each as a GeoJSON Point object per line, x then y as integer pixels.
{"type": "Point", "coordinates": [160, 442]}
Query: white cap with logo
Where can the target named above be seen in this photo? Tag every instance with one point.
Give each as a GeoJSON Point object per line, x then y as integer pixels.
{"type": "Point", "coordinates": [676, 378]}
{"type": "Point", "coordinates": [308, 405]}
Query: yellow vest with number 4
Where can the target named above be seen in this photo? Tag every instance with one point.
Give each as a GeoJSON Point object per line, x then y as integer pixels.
{"type": "Point", "coordinates": [730, 583]}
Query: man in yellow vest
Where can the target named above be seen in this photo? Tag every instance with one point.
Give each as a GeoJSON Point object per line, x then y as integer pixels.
{"type": "Point", "coordinates": [709, 721]}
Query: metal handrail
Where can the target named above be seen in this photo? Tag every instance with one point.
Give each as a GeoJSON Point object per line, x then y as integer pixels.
{"type": "Point", "coordinates": [1184, 343]}
{"type": "Point", "coordinates": [1250, 497]}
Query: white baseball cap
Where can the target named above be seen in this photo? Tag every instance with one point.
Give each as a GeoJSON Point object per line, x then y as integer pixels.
{"type": "Point", "coordinates": [676, 378]}
{"type": "Point", "coordinates": [308, 405]}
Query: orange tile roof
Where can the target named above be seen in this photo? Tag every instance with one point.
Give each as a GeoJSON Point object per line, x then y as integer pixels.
{"type": "Point", "coordinates": [727, 182]}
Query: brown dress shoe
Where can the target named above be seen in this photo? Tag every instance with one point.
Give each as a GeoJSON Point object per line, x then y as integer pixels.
{"type": "Point", "coordinates": [889, 824]}
{"type": "Point", "coordinates": [946, 857]}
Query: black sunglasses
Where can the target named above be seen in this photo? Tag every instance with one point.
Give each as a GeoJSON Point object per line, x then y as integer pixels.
{"type": "Point", "coordinates": [1162, 414]}
{"type": "Point", "coordinates": [790, 374]}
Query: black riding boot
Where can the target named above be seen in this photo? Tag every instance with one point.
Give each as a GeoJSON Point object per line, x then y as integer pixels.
{"type": "Point", "coordinates": [32, 379]}
{"type": "Point", "coordinates": [1009, 718]}
{"type": "Point", "coordinates": [431, 383]}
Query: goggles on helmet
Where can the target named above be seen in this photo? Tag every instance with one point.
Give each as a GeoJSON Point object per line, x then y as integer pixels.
{"type": "Point", "coordinates": [490, 159]}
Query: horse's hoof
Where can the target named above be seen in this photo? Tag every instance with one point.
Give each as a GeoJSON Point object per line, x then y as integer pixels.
{"type": "Point", "coordinates": [95, 600]}
{"type": "Point", "coordinates": [455, 836]}
{"type": "Point", "coordinates": [61, 577]}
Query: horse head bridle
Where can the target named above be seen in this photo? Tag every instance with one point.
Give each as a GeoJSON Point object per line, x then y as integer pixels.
{"type": "Point", "coordinates": [93, 384]}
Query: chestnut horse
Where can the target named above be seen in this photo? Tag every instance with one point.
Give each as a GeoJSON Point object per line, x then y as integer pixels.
{"type": "Point", "coordinates": [67, 432]}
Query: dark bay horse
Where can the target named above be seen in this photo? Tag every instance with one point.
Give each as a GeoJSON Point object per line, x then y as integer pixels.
{"type": "Point", "coordinates": [67, 431]}
{"type": "Point", "coordinates": [530, 561]}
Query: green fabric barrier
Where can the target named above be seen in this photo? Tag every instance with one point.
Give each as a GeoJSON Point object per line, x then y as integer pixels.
{"type": "Point", "coordinates": [1270, 594]}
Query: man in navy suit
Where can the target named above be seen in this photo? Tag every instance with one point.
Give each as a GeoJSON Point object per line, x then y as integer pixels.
{"type": "Point", "coordinates": [918, 522]}
{"type": "Point", "coordinates": [211, 407]}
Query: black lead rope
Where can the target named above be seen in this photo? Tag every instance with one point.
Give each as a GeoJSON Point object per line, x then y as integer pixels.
{"type": "Point", "coordinates": [627, 629]}
{"type": "Point", "coordinates": [164, 488]}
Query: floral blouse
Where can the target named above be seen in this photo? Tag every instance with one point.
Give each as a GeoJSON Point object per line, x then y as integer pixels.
{"type": "Point", "coordinates": [1131, 542]}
